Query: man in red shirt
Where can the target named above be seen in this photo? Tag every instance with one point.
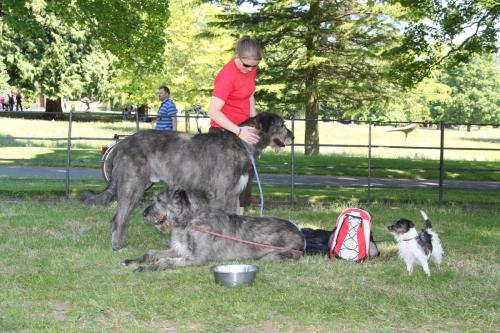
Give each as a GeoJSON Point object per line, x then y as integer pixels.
{"type": "Point", "coordinates": [233, 100]}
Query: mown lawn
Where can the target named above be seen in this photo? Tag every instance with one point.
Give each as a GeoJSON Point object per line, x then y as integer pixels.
{"type": "Point", "coordinates": [59, 274]}
{"type": "Point", "coordinates": [23, 187]}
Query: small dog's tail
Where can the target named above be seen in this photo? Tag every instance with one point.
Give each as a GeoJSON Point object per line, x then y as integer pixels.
{"type": "Point", "coordinates": [428, 224]}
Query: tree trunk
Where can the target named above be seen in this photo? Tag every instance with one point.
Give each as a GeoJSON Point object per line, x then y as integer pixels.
{"type": "Point", "coordinates": [311, 85]}
{"type": "Point", "coordinates": [312, 114]}
{"type": "Point", "coordinates": [54, 108]}
{"type": "Point", "coordinates": [187, 123]}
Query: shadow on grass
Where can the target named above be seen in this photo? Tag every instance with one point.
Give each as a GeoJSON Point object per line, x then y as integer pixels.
{"type": "Point", "coordinates": [7, 141]}
{"type": "Point", "coordinates": [487, 140]}
{"type": "Point", "coordinates": [57, 158]}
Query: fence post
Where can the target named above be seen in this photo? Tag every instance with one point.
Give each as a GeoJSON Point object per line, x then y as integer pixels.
{"type": "Point", "coordinates": [68, 153]}
{"type": "Point", "coordinates": [136, 119]}
{"type": "Point", "coordinates": [369, 160]}
{"type": "Point", "coordinates": [441, 162]}
{"type": "Point", "coordinates": [292, 156]}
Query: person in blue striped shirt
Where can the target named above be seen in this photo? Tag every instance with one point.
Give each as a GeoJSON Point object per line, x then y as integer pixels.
{"type": "Point", "coordinates": [167, 112]}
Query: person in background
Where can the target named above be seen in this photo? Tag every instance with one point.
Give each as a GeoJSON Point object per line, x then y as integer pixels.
{"type": "Point", "coordinates": [167, 113]}
{"type": "Point", "coordinates": [10, 101]}
{"type": "Point", "coordinates": [233, 100]}
{"type": "Point", "coordinates": [19, 101]}
{"type": "Point", "coordinates": [2, 102]}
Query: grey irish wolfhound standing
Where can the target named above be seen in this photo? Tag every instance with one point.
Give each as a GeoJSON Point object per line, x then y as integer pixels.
{"type": "Point", "coordinates": [214, 163]}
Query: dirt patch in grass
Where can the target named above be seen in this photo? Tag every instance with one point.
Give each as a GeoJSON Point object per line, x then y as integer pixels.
{"type": "Point", "coordinates": [279, 325]}
{"type": "Point", "coordinates": [473, 267]}
{"type": "Point", "coordinates": [59, 309]}
{"type": "Point", "coordinates": [114, 322]}
{"type": "Point", "coordinates": [56, 234]}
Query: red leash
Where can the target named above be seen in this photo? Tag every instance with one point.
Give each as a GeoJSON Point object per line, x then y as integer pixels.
{"type": "Point", "coordinates": [206, 231]}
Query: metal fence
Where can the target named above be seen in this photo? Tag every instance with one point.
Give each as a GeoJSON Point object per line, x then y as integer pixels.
{"type": "Point", "coordinates": [293, 122]}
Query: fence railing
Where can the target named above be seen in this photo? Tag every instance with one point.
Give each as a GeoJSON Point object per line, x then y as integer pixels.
{"type": "Point", "coordinates": [293, 122]}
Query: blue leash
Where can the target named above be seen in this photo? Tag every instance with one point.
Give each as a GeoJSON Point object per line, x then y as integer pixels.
{"type": "Point", "coordinates": [252, 159]}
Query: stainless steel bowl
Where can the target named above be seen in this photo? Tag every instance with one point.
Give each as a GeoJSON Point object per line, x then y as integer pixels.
{"type": "Point", "coordinates": [232, 275]}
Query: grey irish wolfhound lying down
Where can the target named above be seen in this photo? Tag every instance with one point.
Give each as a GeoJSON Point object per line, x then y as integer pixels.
{"type": "Point", "coordinates": [200, 233]}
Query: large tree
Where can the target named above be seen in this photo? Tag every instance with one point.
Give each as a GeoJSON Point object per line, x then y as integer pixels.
{"type": "Point", "coordinates": [475, 93]}
{"type": "Point", "coordinates": [46, 44]}
{"type": "Point", "coordinates": [319, 52]}
{"type": "Point", "coordinates": [190, 60]}
{"type": "Point", "coordinates": [342, 55]}
{"type": "Point", "coordinates": [437, 34]}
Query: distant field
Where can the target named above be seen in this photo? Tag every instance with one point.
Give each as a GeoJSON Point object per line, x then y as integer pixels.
{"type": "Point", "coordinates": [339, 161]}
{"type": "Point", "coordinates": [330, 133]}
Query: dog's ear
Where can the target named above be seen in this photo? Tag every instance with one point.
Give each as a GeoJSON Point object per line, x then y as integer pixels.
{"type": "Point", "coordinates": [181, 195]}
{"type": "Point", "coordinates": [410, 224]}
{"type": "Point", "coordinates": [266, 120]}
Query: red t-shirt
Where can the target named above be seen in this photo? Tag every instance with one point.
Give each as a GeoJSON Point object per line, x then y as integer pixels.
{"type": "Point", "coordinates": [235, 89]}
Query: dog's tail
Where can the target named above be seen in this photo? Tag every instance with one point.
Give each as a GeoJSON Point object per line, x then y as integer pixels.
{"type": "Point", "coordinates": [428, 224]}
{"type": "Point", "coordinates": [104, 197]}
{"type": "Point", "coordinates": [101, 198]}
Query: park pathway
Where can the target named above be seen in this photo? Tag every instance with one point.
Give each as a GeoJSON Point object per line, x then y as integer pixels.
{"type": "Point", "coordinates": [274, 179]}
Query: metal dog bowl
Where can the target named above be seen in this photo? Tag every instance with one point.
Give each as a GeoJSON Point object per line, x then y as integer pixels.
{"type": "Point", "coordinates": [232, 275]}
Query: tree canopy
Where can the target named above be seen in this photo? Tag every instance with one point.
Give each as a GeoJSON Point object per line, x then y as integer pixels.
{"type": "Point", "coordinates": [63, 50]}
{"type": "Point", "coordinates": [381, 60]}
{"type": "Point", "coordinates": [338, 57]}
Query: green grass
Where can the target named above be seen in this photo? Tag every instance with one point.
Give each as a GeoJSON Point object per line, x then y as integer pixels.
{"type": "Point", "coordinates": [59, 274]}
{"type": "Point", "coordinates": [340, 165]}
{"type": "Point", "coordinates": [22, 187]}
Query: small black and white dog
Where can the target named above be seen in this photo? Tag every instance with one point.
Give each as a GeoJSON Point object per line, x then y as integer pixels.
{"type": "Point", "coordinates": [416, 248]}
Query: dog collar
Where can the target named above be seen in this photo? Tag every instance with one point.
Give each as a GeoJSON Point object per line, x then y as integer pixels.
{"type": "Point", "coordinates": [409, 239]}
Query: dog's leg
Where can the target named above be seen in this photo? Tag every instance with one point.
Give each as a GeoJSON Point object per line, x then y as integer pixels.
{"type": "Point", "coordinates": [128, 198]}
{"type": "Point", "coordinates": [230, 204]}
{"type": "Point", "coordinates": [277, 256]}
{"type": "Point", "coordinates": [436, 259]}
{"type": "Point", "coordinates": [150, 256]}
{"type": "Point", "coordinates": [409, 266]}
{"type": "Point", "coordinates": [169, 263]}
{"type": "Point", "coordinates": [437, 253]}
{"type": "Point", "coordinates": [425, 266]}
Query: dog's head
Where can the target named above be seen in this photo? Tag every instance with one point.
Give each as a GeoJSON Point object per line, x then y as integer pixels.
{"type": "Point", "coordinates": [272, 130]}
{"type": "Point", "coordinates": [172, 207]}
{"type": "Point", "coordinates": [400, 226]}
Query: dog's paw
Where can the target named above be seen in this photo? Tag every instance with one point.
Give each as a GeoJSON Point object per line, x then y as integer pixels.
{"type": "Point", "coordinates": [127, 262]}
{"type": "Point", "coordinates": [148, 268]}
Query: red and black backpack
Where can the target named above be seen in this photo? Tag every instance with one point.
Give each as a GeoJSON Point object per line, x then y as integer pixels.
{"type": "Point", "coordinates": [350, 239]}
